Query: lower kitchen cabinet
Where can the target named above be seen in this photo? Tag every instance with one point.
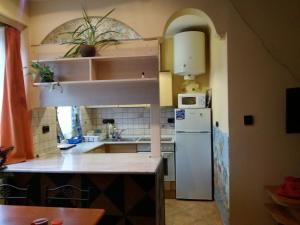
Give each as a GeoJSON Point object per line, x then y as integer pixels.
{"type": "Point", "coordinates": [170, 189]}
{"type": "Point", "coordinates": [121, 148]}
{"type": "Point", "coordinates": [101, 149]}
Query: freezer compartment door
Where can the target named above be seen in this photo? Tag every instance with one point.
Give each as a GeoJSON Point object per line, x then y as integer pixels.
{"type": "Point", "coordinates": [193, 120]}
{"type": "Point", "coordinates": [193, 166]}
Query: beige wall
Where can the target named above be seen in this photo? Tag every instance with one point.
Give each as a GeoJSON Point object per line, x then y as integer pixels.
{"type": "Point", "coordinates": [13, 12]}
{"type": "Point", "coordinates": [261, 154]}
{"type": "Point", "coordinates": [219, 82]}
{"type": "Point", "coordinates": [148, 18]}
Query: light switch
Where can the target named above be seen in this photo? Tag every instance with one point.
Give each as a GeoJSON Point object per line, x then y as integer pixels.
{"type": "Point", "coordinates": [248, 120]}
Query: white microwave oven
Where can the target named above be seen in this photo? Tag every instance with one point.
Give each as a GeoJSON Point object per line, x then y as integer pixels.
{"type": "Point", "coordinates": [191, 100]}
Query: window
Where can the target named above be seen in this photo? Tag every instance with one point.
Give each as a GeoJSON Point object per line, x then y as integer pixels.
{"type": "Point", "coordinates": [64, 115]}
{"type": "Point", "coordinates": [2, 62]}
{"type": "Point", "coordinates": [68, 125]}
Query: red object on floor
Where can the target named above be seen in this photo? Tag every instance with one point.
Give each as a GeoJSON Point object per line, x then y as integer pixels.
{"type": "Point", "coordinates": [56, 222]}
{"type": "Point", "coordinates": [290, 188]}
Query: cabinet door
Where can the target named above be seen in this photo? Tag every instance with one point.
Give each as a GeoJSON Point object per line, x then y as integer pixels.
{"type": "Point", "coordinates": [165, 89]}
{"type": "Point", "coordinates": [121, 148]}
{"type": "Point", "coordinates": [101, 149]}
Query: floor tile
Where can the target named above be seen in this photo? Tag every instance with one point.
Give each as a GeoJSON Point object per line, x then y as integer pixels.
{"type": "Point", "coordinates": [181, 212]}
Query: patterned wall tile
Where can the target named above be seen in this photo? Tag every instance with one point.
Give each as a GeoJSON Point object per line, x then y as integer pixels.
{"type": "Point", "coordinates": [221, 172]}
{"type": "Point", "coordinates": [135, 121]}
{"type": "Point", "coordinates": [44, 143]}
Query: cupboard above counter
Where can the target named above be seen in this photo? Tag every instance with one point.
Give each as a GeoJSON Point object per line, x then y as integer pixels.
{"type": "Point", "coordinates": [122, 75]}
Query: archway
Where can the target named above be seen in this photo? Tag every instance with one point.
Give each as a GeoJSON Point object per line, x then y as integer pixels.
{"type": "Point", "coordinates": [216, 81]}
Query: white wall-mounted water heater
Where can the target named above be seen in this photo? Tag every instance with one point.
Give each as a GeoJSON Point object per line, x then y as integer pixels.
{"type": "Point", "coordinates": [189, 54]}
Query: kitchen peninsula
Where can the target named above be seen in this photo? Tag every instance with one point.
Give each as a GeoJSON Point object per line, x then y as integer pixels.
{"type": "Point", "coordinates": [128, 186]}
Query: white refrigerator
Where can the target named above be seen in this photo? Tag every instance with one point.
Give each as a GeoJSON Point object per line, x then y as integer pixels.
{"type": "Point", "coordinates": [193, 154]}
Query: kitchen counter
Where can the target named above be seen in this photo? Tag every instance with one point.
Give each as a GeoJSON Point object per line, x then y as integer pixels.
{"type": "Point", "coordinates": [115, 180]}
{"type": "Point", "coordinates": [112, 163]}
{"type": "Point", "coordinates": [85, 147]}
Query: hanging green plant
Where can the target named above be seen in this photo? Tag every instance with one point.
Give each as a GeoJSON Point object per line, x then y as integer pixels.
{"type": "Point", "coordinates": [44, 72]}
{"type": "Point", "coordinates": [87, 38]}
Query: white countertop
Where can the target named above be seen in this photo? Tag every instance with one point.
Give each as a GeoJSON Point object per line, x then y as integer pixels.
{"type": "Point", "coordinates": [85, 147]}
{"type": "Point", "coordinates": [116, 163]}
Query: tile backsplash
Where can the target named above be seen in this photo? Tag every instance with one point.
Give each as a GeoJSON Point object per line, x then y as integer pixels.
{"type": "Point", "coordinates": [86, 119]}
{"type": "Point", "coordinates": [135, 121]}
{"type": "Point", "coordinates": [44, 143]}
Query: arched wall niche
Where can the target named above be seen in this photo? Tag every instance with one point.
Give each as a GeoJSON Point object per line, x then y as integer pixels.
{"type": "Point", "coordinates": [197, 17]}
{"type": "Point", "coordinates": [216, 80]}
{"type": "Point", "coordinates": [122, 31]}
{"type": "Point", "coordinates": [185, 20]}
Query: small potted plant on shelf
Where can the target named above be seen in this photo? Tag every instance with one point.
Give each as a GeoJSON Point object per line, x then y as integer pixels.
{"type": "Point", "coordinates": [86, 38]}
{"type": "Point", "coordinates": [46, 75]}
{"type": "Point", "coordinates": [44, 72]}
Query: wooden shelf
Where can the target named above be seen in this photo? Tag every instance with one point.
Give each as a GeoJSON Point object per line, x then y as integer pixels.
{"type": "Point", "coordinates": [100, 92]}
{"type": "Point", "coordinates": [281, 215]}
{"type": "Point", "coordinates": [124, 74]}
{"type": "Point", "coordinates": [115, 81]}
{"type": "Point", "coordinates": [281, 200]}
{"type": "Point", "coordinates": [97, 58]}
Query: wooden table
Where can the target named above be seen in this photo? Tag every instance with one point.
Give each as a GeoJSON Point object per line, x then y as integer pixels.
{"type": "Point", "coordinates": [24, 215]}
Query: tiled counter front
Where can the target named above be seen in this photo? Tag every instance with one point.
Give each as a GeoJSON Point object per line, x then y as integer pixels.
{"type": "Point", "coordinates": [128, 199]}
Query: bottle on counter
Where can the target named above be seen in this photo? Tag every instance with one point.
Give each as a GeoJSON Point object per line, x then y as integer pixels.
{"type": "Point", "coordinates": [110, 130]}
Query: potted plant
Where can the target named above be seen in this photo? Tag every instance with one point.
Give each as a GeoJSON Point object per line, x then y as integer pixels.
{"type": "Point", "coordinates": [86, 37]}
{"type": "Point", "coordinates": [44, 71]}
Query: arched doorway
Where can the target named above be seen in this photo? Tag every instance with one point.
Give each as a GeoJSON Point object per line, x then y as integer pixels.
{"type": "Point", "coordinates": [214, 81]}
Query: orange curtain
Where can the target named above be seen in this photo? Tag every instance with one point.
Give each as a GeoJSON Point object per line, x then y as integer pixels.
{"type": "Point", "coordinates": [15, 124]}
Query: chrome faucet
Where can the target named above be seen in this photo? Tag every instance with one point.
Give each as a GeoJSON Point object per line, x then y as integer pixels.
{"type": "Point", "coordinates": [116, 135]}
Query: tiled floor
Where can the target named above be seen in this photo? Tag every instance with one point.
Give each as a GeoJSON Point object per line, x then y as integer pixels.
{"type": "Point", "coordinates": [179, 212]}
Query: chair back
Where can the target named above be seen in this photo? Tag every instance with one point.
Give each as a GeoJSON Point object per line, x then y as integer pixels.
{"type": "Point", "coordinates": [13, 195]}
{"type": "Point", "coordinates": [68, 196]}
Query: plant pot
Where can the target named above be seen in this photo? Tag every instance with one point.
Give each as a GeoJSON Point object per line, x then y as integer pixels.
{"type": "Point", "coordinates": [87, 50]}
{"type": "Point", "coordinates": [46, 80]}
{"type": "Point", "coordinates": [47, 77]}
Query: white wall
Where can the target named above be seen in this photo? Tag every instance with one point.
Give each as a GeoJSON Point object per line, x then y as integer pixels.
{"type": "Point", "coordinates": [219, 82]}
{"type": "Point", "coordinates": [261, 154]}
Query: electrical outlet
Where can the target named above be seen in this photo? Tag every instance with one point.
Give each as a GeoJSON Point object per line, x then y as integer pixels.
{"type": "Point", "coordinates": [248, 120]}
{"type": "Point", "coordinates": [46, 129]}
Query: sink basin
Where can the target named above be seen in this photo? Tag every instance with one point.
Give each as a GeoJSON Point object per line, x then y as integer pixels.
{"type": "Point", "coordinates": [144, 139]}
{"type": "Point", "coordinates": [162, 139]}
{"type": "Point", "coordinates": [130, 139]}
{"type": "Point", "coordinates": [166, 139]}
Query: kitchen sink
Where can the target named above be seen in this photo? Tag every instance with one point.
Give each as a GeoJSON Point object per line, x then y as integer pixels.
{"type": "Point", "coordinates": [144, 139]}
{"type": "Point", "coordinates": [162, 139]}
{"type": "Point", "coordinates": [127, 139]}
{"type": "Point", "coordinates": [136, 139]}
